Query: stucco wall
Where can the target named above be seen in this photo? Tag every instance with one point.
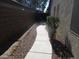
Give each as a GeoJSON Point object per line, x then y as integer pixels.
{"type": "Point", "coordinates": [74, 34]}
{"type": "Point", "coordinates": [66, 15]}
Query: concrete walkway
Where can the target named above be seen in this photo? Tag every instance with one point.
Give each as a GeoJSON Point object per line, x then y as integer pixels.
{"type": "Point", "coordinates": [41, 48]}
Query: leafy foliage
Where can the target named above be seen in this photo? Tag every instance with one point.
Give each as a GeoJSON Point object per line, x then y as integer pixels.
{"type": "Point", "coordinates": [53, 21]}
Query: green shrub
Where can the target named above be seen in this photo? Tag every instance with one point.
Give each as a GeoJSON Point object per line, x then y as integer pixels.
{"type": "Point", "coordinates": [53, 21]}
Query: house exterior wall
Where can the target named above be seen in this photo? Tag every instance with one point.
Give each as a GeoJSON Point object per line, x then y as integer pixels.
{"type": "Point", "coordinates": [66, 14]}
{"type": "Point", "coordinates": [74, 34]}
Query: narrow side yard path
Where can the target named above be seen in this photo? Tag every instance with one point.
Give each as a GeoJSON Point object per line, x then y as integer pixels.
{"type": "Point", "coordinates": [41, 48]}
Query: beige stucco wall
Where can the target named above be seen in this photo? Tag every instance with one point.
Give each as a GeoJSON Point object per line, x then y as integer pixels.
{"type": "Point", "coordinates": [65, 16]}
{"type": "Point", "coordinates": [65, 13]}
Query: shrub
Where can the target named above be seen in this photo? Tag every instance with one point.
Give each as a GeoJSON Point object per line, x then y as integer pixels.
{"type": "Point", "coordinates": [53, 22]}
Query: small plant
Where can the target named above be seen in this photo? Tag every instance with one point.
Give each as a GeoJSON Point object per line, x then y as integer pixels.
{"type": "Point", "coordinates": [53, 21]}
{"type": "Point", "coordinates": [52, 25]}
